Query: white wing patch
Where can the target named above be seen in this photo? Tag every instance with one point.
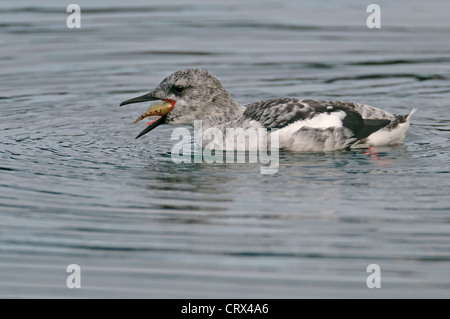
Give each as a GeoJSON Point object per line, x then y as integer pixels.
{"type": "Point", "coordinates": [320, 121]}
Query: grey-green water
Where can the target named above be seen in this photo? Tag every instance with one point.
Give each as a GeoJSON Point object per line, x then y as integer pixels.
{"type": "Point", "coordinates": [76, 188]}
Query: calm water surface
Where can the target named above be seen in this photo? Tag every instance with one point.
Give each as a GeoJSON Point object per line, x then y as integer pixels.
{"type": "Point", "coordinates": [76, 188]}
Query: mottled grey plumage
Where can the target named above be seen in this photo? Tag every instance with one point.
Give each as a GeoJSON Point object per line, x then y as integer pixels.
{"type": "Point", "coordinates": [304, 125]}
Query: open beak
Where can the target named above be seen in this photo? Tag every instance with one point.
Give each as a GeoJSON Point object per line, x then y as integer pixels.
{"type": "Point", "coordinates": [161, 110]}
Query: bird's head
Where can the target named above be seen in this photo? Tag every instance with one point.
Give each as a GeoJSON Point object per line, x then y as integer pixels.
{"type": "Point", "coordinates": [193, 94]}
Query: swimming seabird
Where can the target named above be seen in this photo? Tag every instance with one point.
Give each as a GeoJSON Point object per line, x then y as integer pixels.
{"type": "Point", "coordinates": [303, 125]}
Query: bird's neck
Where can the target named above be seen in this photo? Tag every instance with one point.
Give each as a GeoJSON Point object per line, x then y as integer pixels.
{"type": "Point", "coordinates": [223, 112]}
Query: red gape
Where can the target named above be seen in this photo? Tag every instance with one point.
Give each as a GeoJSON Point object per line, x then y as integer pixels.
{"type": "Point", "coordinates": [171, 101]}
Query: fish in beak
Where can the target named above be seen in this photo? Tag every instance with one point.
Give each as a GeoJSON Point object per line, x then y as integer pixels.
{"type": "Point", "coordinates": [161, 110]}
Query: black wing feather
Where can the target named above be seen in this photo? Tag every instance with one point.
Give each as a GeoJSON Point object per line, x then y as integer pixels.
{"type": "Point", "coordinates": [279, 113]}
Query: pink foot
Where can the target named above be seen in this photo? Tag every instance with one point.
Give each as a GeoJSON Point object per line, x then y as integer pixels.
{"type": "Point", "coordinates": [374, 156]}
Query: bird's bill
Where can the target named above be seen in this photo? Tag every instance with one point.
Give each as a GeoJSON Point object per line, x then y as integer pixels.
{"type": "Point", "coordinates": [160, 110]}
{"type": "Point", "coordinates": [142, 98]}
{"type": "Point", "coordinates": [152, 125]}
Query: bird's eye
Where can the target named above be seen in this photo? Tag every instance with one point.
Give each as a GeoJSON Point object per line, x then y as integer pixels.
{"type": "Point", "coordinates": [178, 88]}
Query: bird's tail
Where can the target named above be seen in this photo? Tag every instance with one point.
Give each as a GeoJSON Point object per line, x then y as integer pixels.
{"type": "Point", "coordinates": [409, 116]}
{"type": "Point", "coordinates": [404, 118]}
{"type": "Point", "coordinates": [391, 134]}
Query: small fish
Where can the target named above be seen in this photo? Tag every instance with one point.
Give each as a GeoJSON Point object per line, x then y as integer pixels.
{"type": "Point", "coordinates": [160, 109]}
